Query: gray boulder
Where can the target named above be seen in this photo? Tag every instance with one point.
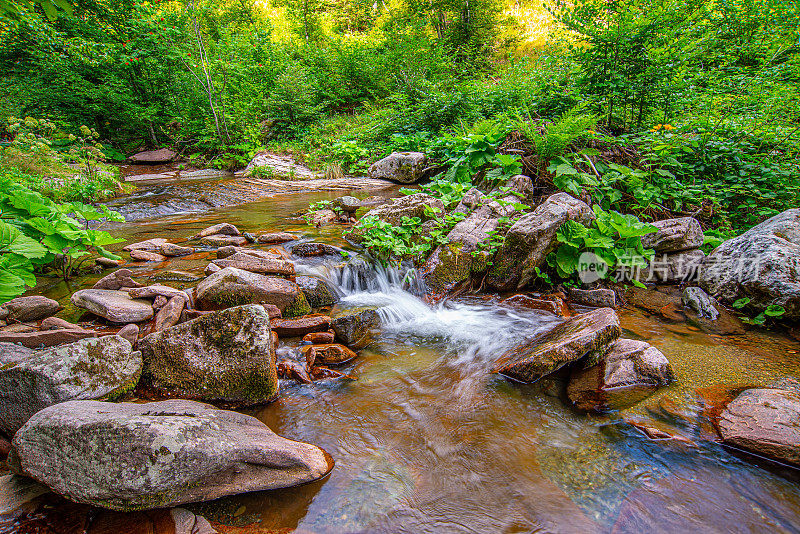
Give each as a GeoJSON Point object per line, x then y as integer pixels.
{"type": "Point", "coordinates": [354, 326]}
{"type": "Point", "coordinates": [698, 300]}
{"type": "Point", "coordinates": [100, 368]}
{"type": "Point", "coordinates": [116, 306]}
{"type": "Point", "coordinates": [628, 372]}
{"type": "Point", "coordinates": [221, 356]}
{"type": "Point", "coordinates": [585, 334]}
{"type": "Point", "coordinates": [674, 235]}
{"type": "Point", "coordinates": [600, 298]}
{"type": "Point", "coordinates": [141, 456]}
{"type": "Point", "coordinates": [401, 167]}
{"type": "Point", "coordinates": [317, 292]}
{"type": "Point", "coordinates": [764, 421]}
{"type": "Point", "coordinates": [762, 264]}
{"type": "Point", "coordinates": [532, 238]}
{"type": "Point", "coordinates": [236, 287]}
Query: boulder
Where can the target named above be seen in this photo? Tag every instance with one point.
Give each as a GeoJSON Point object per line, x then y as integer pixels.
{"type": "Point", "coordinates": [171, 249]}
{"type": "Point", "coordinates": [221, 356]}
{"type": "Point", "coordinates": [144, 255]}
{"type": "Point", "coordinates": [211, 268]}
{"type": "Point", "coordinates": [116, 280]}
{"type": "Point", "coordinates": [323, 217]}
{"type": "Point", "coordinates": [57, 323]}
{"type": "Point", "coordinates": [275, 237]}
{"type": "Point", "coordinates": [235, 287]}
{"type": "Point", "coordinates": [628, 372]}
{"type": "Point", "coordinates": [300, 326]}
{"type": "Point", "coordinates": [223, 240]}
{"type": "Point", "coordinates": [764, 421]}
{"type": "Point", "coordinates": [532, 238]}
{"type": "Point", "coordinates": [150, 245]}
{"type": "Point", "coordinates": [255, 264]}
{"type": "Point", "coordinates": [317, 292]}
{"type": "Point", "coordinates": [330, 354]}
{"type": "Point", "coordinates": [305, 250]}
{"type": "Point", "coordinates": [159, 454]}
{"type": "Point", "coordinates": [761, 264]}
{"type": "Point", "coordinates": [698, 300]}
{"type": "Point", "coordinates": [674, 267]}
{"type": "Point", "coordinates": [599, 298]}
{"type": "Point", "coordinates": [218, 229]}
{"type": "Point", "coordinates": [153, 157]}
{"type": "Point", "coordinates": [170, 314]}
{"type": "Point", "coordinates": [585, 334]}
{"type": "Point", "coordinates": [353, 326]}
{"type": "Point", "coordinates": [28, 309]}
{"type": "Point", "coordinates": [322, 338]}
{"type": "Point", "coordinates": [116, 306]}
{"type": "Point", "coordinates": [674, 235]}
{"type": "Point", "coordinates": [101, 368]}
{"type": "Point", "coordinates": [401, 167]}
{"type": "Point", "coordinates": [348, 204]}
{"type": "Point", "coordinates": [130, 332]}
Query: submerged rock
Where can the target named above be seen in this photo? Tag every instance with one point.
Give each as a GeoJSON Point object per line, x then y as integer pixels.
{"type": "Point", "coordinates": [401, 167]}
{"type": "Point", "coordinates": [761, 264]}
{"type": "Point", "coordinates": [353, 326]}
{"type": "Point", "coordinates": [116, 306]}
{"type": "Point", "coordinates": [764, 421]}
{"type": "Point", "coordinates": [329, 354]}
{"type": "Point", "coordinates": [568, 342]}
{"type": "Point", "coordinates": [27, 309]}
{"type": "Point", "coordinates": [674, 235]}
{"type": "Point", "coordinates": [221, 356]}
{"type": "Point", "coordinates": [628, 372]}
{"type": "Point", "coordinates": [159, 454]}
{"type": "Point", "coordinates": [235, 287]}
{"type": "Point", "coordinates": [532, 238]}
{"type": "Point", "coordinates": [102, 368]}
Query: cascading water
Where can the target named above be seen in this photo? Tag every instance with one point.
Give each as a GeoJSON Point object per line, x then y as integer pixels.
{"type": "Point", "coordinates": [470, 328]}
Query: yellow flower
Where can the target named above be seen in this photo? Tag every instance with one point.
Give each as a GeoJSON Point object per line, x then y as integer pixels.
{"type": "Point", "coordinates": [591, 132]}
{"type": "Point", "coordinates": [669, 127]}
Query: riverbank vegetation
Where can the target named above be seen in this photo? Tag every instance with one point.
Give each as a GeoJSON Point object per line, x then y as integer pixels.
{"type": "Point", "coordinates": [650, 107]}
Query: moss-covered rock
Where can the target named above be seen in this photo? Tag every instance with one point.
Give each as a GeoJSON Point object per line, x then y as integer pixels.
{"type": "Point", "coordinates": [235, 287]}
{"type": "Point", "coordinates": [353, 326]}
{"type": "Point", "coordinates": [99, 368]}
{"type": "Point", "coordinates": [317, 291]}
{"type": "Point", "coordinates": [222, 356]}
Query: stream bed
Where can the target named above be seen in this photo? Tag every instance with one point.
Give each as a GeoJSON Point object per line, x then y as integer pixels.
{"type": "Point", "coordinates": [427, 440]}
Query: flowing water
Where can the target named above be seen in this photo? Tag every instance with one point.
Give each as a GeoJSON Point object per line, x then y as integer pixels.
{"type": "Point", "coordinates": [427, 440]}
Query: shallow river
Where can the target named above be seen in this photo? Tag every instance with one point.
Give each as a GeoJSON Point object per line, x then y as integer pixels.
{"type": "Point", "coordinates": [426, 440]}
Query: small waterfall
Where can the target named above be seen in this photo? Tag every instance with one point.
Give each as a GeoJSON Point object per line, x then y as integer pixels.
{"type": "Point", "coordinates": [472, 329]}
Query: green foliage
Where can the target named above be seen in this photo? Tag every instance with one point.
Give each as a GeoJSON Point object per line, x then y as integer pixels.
{"type": "Point", "coordinates": [385, 242]}
{"type": "Point", "coordinates": [36, 232]}
{"type": "Point", "coordinates": [614, 239]}
{"type": "Point", "coordinates": [771, 312]}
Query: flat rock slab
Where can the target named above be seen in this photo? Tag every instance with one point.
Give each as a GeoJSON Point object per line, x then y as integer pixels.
{"type": "Point", "coordinates": [568, 342]}
{"type": "Point", "coordinates": [764, 421]}
{"type": "Point", "coordinates": [47, 338]}
{"type": "Point", "coordinates": [116, 306]}
{"type": "Point", "coordinates": [159, 454]}
{"type": "Point", "coordinates": [300, 326]}
{"type": "Point", "coordinates": [102, 368]}
{"type": "Point", "coordinates": [153, 157]}
{"type": "Point", "coordinates": [256, 264]}
{"type": "Point", "coordinates": [222, 356]}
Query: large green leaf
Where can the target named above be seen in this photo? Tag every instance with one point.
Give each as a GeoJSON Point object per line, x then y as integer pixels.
{"type": "Point", "coordinates": [12, 240]}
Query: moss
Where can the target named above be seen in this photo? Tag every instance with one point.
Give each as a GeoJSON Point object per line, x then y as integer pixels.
{"type": "Point", "coordinates": [448, 267]}
{"type": "Point", "coordinates": [297, 308]}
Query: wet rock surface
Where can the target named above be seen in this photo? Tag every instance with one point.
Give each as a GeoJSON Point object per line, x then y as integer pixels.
{"type": "Point", "coordinates": [765, 422]}
{"type": "Point", "coordinates": [570, 341]}
{"type": "Point", "coordinates": [300, 326]}
{"type": "Point", "coordinates": [235, 287]}
{"type": "Point", "coordinates": [255, 264]}
{"type": "Point", "coordinates": [222, 356]}
{"type": "Point", "coordinates": [159, 454]}
{"type": "Point", "coordinates": [318, 293]}
{"type": "Point", "coordinates": [354, 326]}
{"type": "Point", "coordinates": [103, 368]}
